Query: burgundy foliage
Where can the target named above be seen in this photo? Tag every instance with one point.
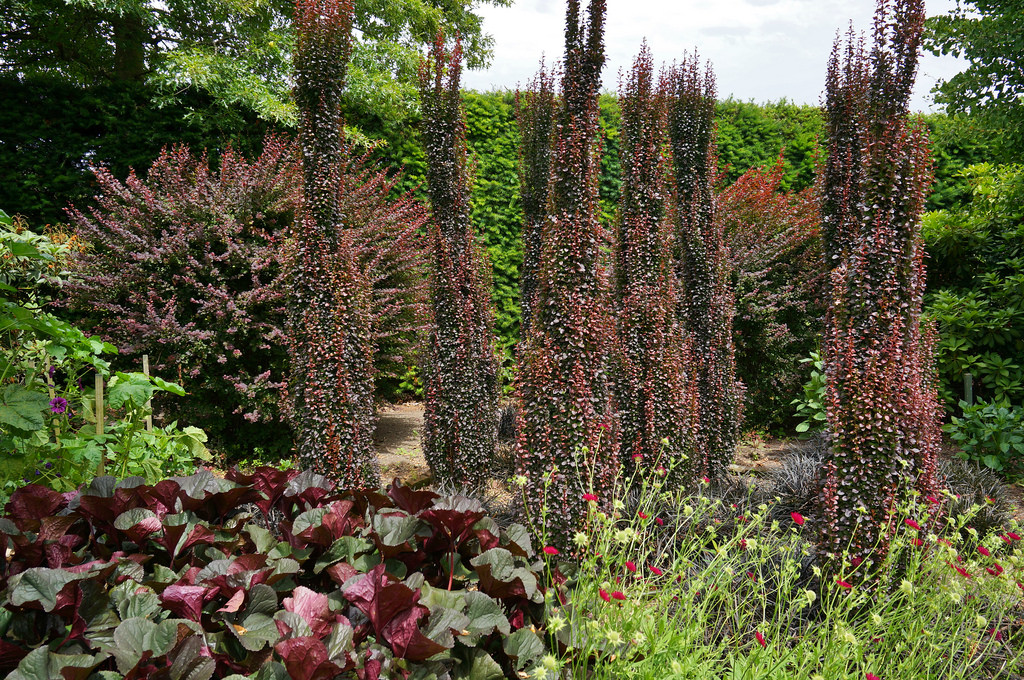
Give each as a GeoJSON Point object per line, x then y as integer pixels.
{"type": "Point", "coordinates": [701, 264]}
{"type": "Point", "coordinates": [172, 580]}
{"type": "Point", "coordinates": [184, 266]}
{"type": "Point", "coordinates": [535, 113]}
{"type": "Point", "coordinates": [881, 405]}
{"type": "Point", "coordinates": [563, 381]}
{"type": "Point", "coordinates": [654, 399]}
{"type": "Point", "coordinates": [460, 367]}
{"type": "Point", "coordinates": [329, 302]}
{"type": "Point", "coordinates": [778, 275]}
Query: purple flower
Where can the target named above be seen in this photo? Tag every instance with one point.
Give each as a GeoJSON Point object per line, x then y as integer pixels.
{"type": "Point", "coordinates": [58, 405]}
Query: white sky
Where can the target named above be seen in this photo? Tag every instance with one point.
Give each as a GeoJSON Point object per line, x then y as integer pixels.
{"type": "Point", "coordinates": [761, 50]}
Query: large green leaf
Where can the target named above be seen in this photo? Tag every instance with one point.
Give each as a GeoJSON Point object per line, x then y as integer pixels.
{"type": "Point", "coordinates": [41, 585]}
{"type": "Point", "coordinates": [476, 664]}
{"type": "Point", "coordinates": [129, 389]}
{"type": "Point", "coordinates": [42, 664]}
{"type": "Point", "coordinates": [22, 408]}
{"type": "Point", "coordinates": [136, 636]}
{"type": "Point", "coordinates": [524, 646]}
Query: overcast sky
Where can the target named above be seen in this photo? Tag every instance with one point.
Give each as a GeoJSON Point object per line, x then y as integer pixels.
{"type": "Point", "coordinates": [761, 50]}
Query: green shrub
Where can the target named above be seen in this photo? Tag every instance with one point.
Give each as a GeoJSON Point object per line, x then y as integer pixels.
{"type": "Point", "coordinates": [811, 406]}
{"type": "Point", "coordinates": [991, 433]}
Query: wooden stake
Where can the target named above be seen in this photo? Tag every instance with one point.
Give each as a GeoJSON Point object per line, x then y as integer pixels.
{"type": "Point", "coordinates": [149, 402]}
{"type": "Point", "coordinates": [99, 421]}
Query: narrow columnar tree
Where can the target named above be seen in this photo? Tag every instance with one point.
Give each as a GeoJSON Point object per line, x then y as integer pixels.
{"type": "Point", "coordinates": [566, 429]}
{"type": "Point", "coordinates": [535, 113]}
{"type": "Point", "coordinates": [701, 264]}
{"type": "Point", "coordinates": [460, 367]}
{"type": "Point", "coordinates": [653, 397]}
{"type": "Point", "coordinates": [881, 402]}
{"type": "Point", "coordinates": [330, 325]}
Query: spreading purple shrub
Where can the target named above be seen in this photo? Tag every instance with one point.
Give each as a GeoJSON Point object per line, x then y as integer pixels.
{"type": "Point", "coordinates": [881, 402]}
{"type": "Point", "coordinates": [460, 368]}
{"type": "Point", "coordinates": [701, 264]}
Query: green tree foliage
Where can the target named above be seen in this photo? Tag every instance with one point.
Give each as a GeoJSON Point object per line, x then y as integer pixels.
{"type": "Point", "coordinates": [989, 34]}
{"type": "Point", "coordinates": [881, 403]}
{"type": "Point", "coordinates": [976, 279]}
{"type": "Point", "coordinates": [238, 52]}
{"type": "Point", "coordinates": [460, 371]}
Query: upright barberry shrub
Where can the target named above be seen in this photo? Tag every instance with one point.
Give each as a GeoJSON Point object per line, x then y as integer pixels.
{"type": "Point", "coordinates": [881, 402]}
{"type": "Point", "coordinates": [183, 265]}
{"type": "Point", "coordinates": [535, 114]}
{"type": "Point", "coordinates": [701, 263]}
{"type": "Point", "coordinates": [567, 431]}
{"type": "Point", "coordinates": [460, 367]}
{"type": "Point", "coordinates": [329, 320]}
{"type": "Point", "coordinates": [779, 279]}
{"type": "Point", "coordinates": [653, 397]}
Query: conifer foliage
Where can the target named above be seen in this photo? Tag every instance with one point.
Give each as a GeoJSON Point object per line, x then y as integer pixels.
{"type": "Point", "coordinates": [330, 323]}
{"type": "Point", "coordinates": [460, 367]}
{"type": "Point", "coordinates": [881, 402]}
{"type": "Point", "coordinates": [535, 113]}
{"type": "Point", "coordinates": [652, 393]}
{"type": "Point", "coordinates": [567, 430]}
{"type": "Point", "coordinates": [701, 264]}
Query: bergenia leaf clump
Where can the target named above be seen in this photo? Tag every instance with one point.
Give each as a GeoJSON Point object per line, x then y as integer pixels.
{"type": "Point", "coordinates": [153, 581]}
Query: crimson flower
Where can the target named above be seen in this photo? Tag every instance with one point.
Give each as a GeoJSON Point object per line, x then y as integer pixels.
{"type": "Point", "coordinates": [984, 551]}
{"type": "Point", "coordinates": [604, 595]}
{"type": "Point", "coordinates": [637, 457]}
{"type": "Point", "coordinates": [798, 518]}
{"type": "Point", "coordinates": [631, 566]}
{"type": "Point", "coordinates": [659, 521]}
{"type": "Point", "coordinates": [656, 571]}
{"type": "Point", "coordinates": [871, 676]}
{"type": "Point", "coordinates": [751, 576]}
{"type": "Point", "coordinates": [932, 499]}
{"type": "Point", "coordinates": [843, 584]}
{"type": "Point", "coordinates": [550, 550]}
{"type": "Point", "coordinates": [912, 524]}
{"type": "Point", "coordinates": [1013, 536]}
{"type": "Point", "coordinates": [760, 638]}
{"type": "Point", "coordinates": [604, 426]}
{"type": "Point", "coordinates": [706, 480]}
{"type": "Point", "coordinates": [618, 595]}
{"type": "Point", "coordinates": [960, 570]}
{"type": "Point", "coordinates": [642, 514]}
{"type": "Point", "coordinates": [590, 497]}
{"type": "Point", "coordinates": [917, 541]}
{"type": "Point", "coordinates": [995, 570]}
{"type": "Point", "coordinates": [855, 561]}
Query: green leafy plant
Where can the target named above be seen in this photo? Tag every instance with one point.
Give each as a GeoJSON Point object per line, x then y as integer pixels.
{"type": "Point", "coordinates": [991, 433]}
{"type": "Point", "coordinates": [811, 406]}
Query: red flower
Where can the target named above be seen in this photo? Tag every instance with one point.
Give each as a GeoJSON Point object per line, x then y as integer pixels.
{"type": "Point", "coordinates": [995, 570]}
{"type": "Point", "coordinates": [960, 570]}
{"type": "Point", "coordinates": [855, 561]}
{"type": "Point", "coordinates": [637, 457]}
{"type": "Point", "coordinates": [916, 541]}
{"type": "Point", "coordinates": [590, 497]}
{"type": "Point", "coordinates": [871, 676]}
{"type": "Point", "coordinates": [618, 595]}
{"type": "Point", "coordinates": [706, 481]}
{"type": "Point", "coordinates": [550, 550]}
{"type": "Point", "coordinates": [656, 571]}
{"type": "Point", "coordinates": [798, 518]}
{"type": "Point", "coordinates": [760, 639]}
{"type": "Point", "coordinates": [1013, 535]}
{"type": "Point", "coordinates": [984, 551]}
{"type": "Point", "coordinates": [751, 576]}
{"type": "Point", "coordinates": [642, 514]}
{"type": "Point", "coordinates": [604, 595]}
{"type": "Point", "coordinates": [631, 566]}
{"type": "Point", "coordinates": [659, 521]}
{"type": "Point", "coordinates": [843, 584]}
{"type": "Point", "coordinates": [912, 524]}
{"type": "Point", "coordinates": [604, 426]}
{"type": "Point", "coordinates": [743, 544]}
{"type": "Point", "coordinates": [932, 499]}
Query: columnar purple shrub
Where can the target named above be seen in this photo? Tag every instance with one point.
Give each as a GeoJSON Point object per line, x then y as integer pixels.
{"type": "Point", "coordinates": [535, 113]}
{"type": "Point", "coordinates": [653, 395]}
{"type": "Point", "coordinates": [460, 367]}
{"type": "Point", "coordinates": [329, 319]}
{"type": "Point", "coordinates": [701, 264]}
{"type": "Point", "coordinates": [183, 265]}
{"type": "Point", "coordinates": [567, 430]}
{"type": "Point", "coordinates": [882, 406]}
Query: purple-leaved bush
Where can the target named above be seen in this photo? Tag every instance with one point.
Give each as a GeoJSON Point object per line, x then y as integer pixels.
{"type": "Point", "coordinates": [881, 402]}
{"type": "Point", "coordinates": [566, 429]}
{"type": "Point", "coordinates": [329, 298]}
{"type": "Point", "coordinates": [701, 264]}
{"type": "Point", "coordinates": [460, 367]}
{"type": "Point", "coordinates": [654, 398]}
